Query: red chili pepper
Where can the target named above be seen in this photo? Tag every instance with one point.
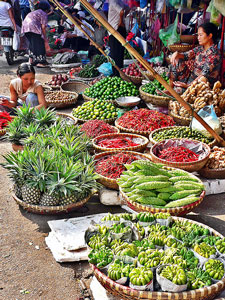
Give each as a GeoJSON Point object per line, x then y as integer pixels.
{"type": "Point", "coordinates": [94, 128]}
{"type": "Point", "coordinates": [116, 143]}
{"type": "Point", "coordinates": [112, 166]}
{"type": "Point", "coordinates": [5, 118]}
{"type": "Point", "coordinates": [178, 154]}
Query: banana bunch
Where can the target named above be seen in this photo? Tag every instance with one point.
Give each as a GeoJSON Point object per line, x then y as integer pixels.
{"type": "Point", "coordinates": [171, 259]}
{"type": "Point", "coordinates": [189, 257]}
{"type": "Point", "coordinates": [198, 278]}
{"type": "Point", "coordinates": [154, 262]}
{"type": "Point", "coordinates": [174, 273]}
{"type": "Point", "coordinates": [162, 215]}
{"type": "Point", "coordinates": [140, 229]}
{"type": "Point", "coordinates": [110, 217]}
{"type": "Point", "coordinates": [119, 270]}
{"type": "Point", "coordinates": [149, 254]}
{"type": "Point", "coordinates": [171, 242]}
{"type": "Point", "coordinates": [204, 250]}
{"type": "Point", "coordinates": [157, 238]}
{"type": "Point", "coordinates": [157, 228]}
{"type": "Point", "coordinates": [177, 232]}
{"type": "Point", "coordinates": [220, 245]}
{"type": "Point", "coordinates": [103, 230]}
{"type": "Point", "coordinates": [97, 241]}
{"type": "Point", "coordinates": [126, 250]}
{"type": "Point", "coordinates": [141, 276]}
{"type": "Point", "coordinates": [215, 268]}
{"type": "Point", "coordinates": [143, 245]}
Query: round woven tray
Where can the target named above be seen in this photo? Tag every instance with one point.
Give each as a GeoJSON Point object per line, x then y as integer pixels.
{"type": "Point", "coordinates": [180, 47]}
{"type": "Point", "coordinates": [49, 210]}
{"type": "Point", "coordinates": [151, 139]}
{"type": "Point", "coordinates": [140, 147]}
{"type": "Point", "coordinates": [2, 132]}
{"type": "Point", "coordinates": [187, 166]}
{"type": "Point", "coordinates": [111, 183]}
{"type": "Point", "coordinates": [74, 86]}
{"type": "Point", "coordinates": [86, 79]}
{"type": "Point", "coordinates": [180, 120]}
{"type": "Point", "coordinates": [130, 130]}
{"type": "Point", "coordinates": [134, 79]}
{"type": "Point", "coordinates": [57, 103]}
{"type": "Point", "coordinates": [63, 115]}
{"type": "Point", "coordinates": [212, 173]}
{"type": "Point", "coordinates": [154, 99]}
{"type": "Point", "coordinates": [175, 211]}
{"type": "Point", "coordinates": [189, 39]}
{"type": "Point", "coordinates": [125, 292]}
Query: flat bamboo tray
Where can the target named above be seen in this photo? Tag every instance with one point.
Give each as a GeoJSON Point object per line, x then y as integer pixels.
{"type": "Point", "coordinates": [130, 130]}
{"type": "Point", "coordinates": [175, 211]}
{"type": "Point", "coordinates": [58, 103]}
{"type": "Point", "coordinates": [151, 139]}
{"type": "Point", "coordinates": [74, 86]}
{"type": "Point", "coordinates": [189, 39]}
{"type": "Point", "coordinates": [67, 116]}
{"type": "Point", "coordinates": [180, 47]}
{"type": "Point", "coordinates": [125, 292]}
{"type": "Point", "coordinates": [212, 173]}
{"type": "Point", "coordinates": [140, 147]}
{"type": "Point", "coordinates": [109, 182]}
{"type": "Point", "coordinates": [154, 99]}
{"type": "Point", "coordinates": [50, 210]}
{"type": "Point", "coordinates": [180, 120]}
{"type": "Point", "coordinates": [187, 166]}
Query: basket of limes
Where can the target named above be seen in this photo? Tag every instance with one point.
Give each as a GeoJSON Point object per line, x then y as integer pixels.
{"type": "Point", "coordinates": [96, 109]}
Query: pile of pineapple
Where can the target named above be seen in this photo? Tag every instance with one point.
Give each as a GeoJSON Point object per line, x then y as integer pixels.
{"type": "Point", "coordinates": [55, 167]}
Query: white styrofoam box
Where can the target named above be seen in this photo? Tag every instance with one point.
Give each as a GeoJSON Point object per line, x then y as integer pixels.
{"type": "Point", "coordinates": [99, 292]}
{"type": "Point", "coordinates": [109, 197]}
{"type": "Point", "coordinates": [214, 186]}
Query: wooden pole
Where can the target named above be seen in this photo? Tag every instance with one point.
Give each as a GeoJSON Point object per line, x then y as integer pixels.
{"type": "Point", "coordinates": [85, 33]}
{"type": "Point", "coordinates": [150, 69]}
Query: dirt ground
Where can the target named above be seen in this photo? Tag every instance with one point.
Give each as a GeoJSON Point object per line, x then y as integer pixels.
{"type": "Point", "coordinates": [28, 270]}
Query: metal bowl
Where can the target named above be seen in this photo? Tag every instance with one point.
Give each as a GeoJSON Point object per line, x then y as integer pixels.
{"type": "Point", "coordinates": [128, 101]}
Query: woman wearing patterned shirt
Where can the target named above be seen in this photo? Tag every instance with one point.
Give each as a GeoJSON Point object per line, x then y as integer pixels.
{"type": "Point", "coordinates": [34, 27]}
{"type": "Point", "coordinates": [202, 61]}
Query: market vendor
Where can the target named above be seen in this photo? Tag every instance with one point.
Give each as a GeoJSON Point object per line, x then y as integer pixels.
{"type": "Point", "coordinates": [202, 61]}
{"type": "Point", "coordinates": [24, 89]}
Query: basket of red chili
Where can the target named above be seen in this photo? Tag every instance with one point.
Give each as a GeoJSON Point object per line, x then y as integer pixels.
{"type": "Point", "coordinates": [94, 128]}
{"type": "Point", "coordinates": [143, 121]}
{"type": "Point", "coordinates": [110, 165]}
{"type": "Point", "coordinates": [120, 141]}
{"type": "Point", "coordinates": [5, 118]}
{"type": "Point", "coordinates": [184, 154]}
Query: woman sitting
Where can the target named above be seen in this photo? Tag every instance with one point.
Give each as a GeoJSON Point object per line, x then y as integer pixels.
{"type": "Point", "coordinates": [202, 61]}
{"type": "Point", "coordinates": [25, 88]}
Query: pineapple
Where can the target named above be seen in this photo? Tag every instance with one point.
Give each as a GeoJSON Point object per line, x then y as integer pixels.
{"type": "Point", "coordinates": [15, 132]}
{"type": "Point", "coordinates": [25, 113]}
{"type": "Point", "coordinates": [30, 194]}
{"type": "Point", "coordinates": [45, 117]}
{"type": "Point", "coordinates": [49, 200]}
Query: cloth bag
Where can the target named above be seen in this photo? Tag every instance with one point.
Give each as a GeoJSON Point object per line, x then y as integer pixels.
{"type": "Point", "coordinates": [16, 41]}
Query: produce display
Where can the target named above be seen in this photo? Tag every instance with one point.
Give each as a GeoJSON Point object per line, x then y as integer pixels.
{"type": "Point", "coordinates": [74, 71]}
{"type": "Point", "coordinates": [119, 142]}
{"type": "Point", "coordinates": [58, 80]}
{"type": "Point", "coordinates": [94, 128]}
{"type": "Point", "coordinates": [134, 69]}
{"type": "Point", "coordinates": [199, 94]}
{"type": "Point", "coordinates": [152, 184]}
{"type": "Point", "coordinates": [5, 118]}
{"type": "Point", "coordinates": [111, 88]}
{"type": "Point", "coordinates": [144, 120]}
{"type": "Point", "coordinates": [98, 60]}
{"type": "Point", "coordinates": [180, 132]}
{"type": "Point", "coordinates": [132, 261]}
{"type": "Point", "coordinates": [59, 96]}
{"type": "Point", "coordinates": [178, 154]}
{"type": "Point", "coordinates": [54, 168]}
{"type": "Point", "coordinates": [95, 109]}
{"type": "Point", "coordinates": [153, 87]}
{"type": "Point", "coordinates": [216, 158]}
{"type": "Point", "coordinates": [89, 71]}
{"type": "Point", "coordinates": [112, 166]}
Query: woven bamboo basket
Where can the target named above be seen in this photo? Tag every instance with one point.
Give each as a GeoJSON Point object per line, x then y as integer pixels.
{"type": "Point", "coordinates": [151, 136]}
{"type": "Point", "coordinates": [16, 147]}
{"type": "Point", "coordinates": [134, 79]}
{"type": "Point", "coordinates": [180, 120]}
{"type": "Point", "coordinates": [189, 39]}
{"type": "Point", "coordinates": [109, 182]}
{"type": "Point", "coordinates": [74, 86]}
{"type": "Point", "coordinates": [58, 103]}
{"type": "Point", "coordinates": [212, 173]}
{"type": "Point", "coordinates": [63, 115]}
{"type": "Point", "coordinates": [140, 148]}
{"type": "Point", "coordinates": [86, 98]}
{"type": "Point", "coordinates": [180, 47]}
{"type": "Point", "coordinates": [175, 211]}
{"type": "Point", "coordinates": [125, 292]}
{"type": "Point", "coordinates": [2, 132]}
{"type": "Point", "coordinates": [154, 99]}
{"type": "Point", "coordinates": [50, 210]}
{"type": "Point", "coordinates": [187, 166]}
{"type": "Point", "coordinates": [130, 130]}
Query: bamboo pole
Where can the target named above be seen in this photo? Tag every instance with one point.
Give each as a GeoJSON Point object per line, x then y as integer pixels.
{"type": "Point", "coordinates": [150, 69]}
{"type": "Point", "coordinates": [85, 33]}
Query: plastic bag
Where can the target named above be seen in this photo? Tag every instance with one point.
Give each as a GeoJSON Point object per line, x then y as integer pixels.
{"type": "Point", "coordinates": [215, 14]}
{"type": "Point", "coordinates": [209, 116]}
{"type": "Point", "coordinates": [169, 36]}
{"type": "Point", "coordinates": [65, 58]}
{"type": "Point", "coordinates": [16, 40]}
{"type": "Point", "coordinates": [157, 59]}
{"type": "Point", "coordinates": [105, 69]}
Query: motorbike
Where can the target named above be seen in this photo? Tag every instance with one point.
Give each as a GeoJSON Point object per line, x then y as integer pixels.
{"type": "Point", "coordinates": [6, 38]}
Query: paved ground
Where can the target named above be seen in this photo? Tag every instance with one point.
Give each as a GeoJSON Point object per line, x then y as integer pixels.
{"type": "Point", "coordinates": [27, 268]}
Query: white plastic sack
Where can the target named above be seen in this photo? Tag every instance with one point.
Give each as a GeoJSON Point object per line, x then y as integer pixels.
{"type": "Point", "coordinates": [16, 41]}
{"type": "Point", "coordinates": [208, 114]}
